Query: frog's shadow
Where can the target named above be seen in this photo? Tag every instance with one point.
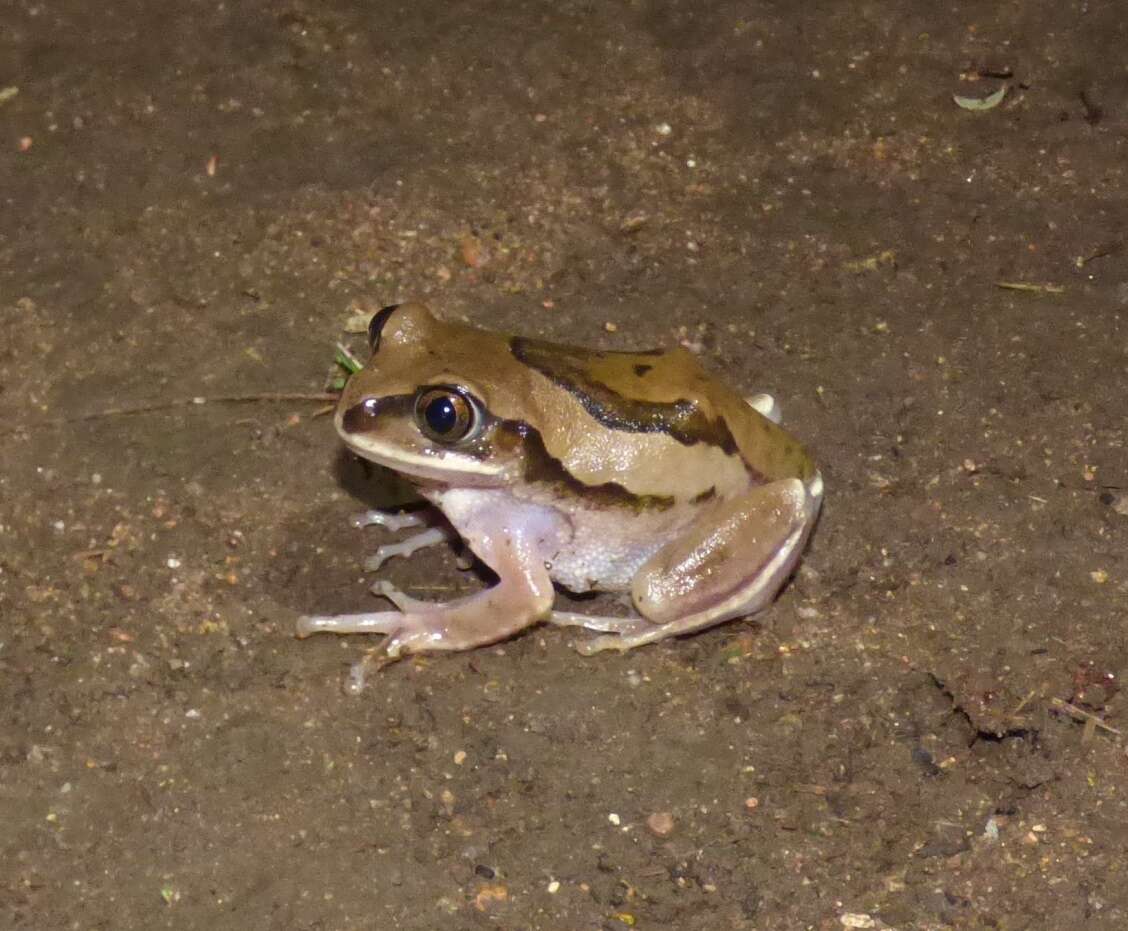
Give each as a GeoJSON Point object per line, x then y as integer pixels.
{"type": "Point", "coordinates": [373, 485]}
{"type": "Point", "coordinates": [378, 488]}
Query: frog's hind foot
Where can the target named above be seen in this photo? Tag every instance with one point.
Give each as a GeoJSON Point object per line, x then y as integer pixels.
{"type": "Point", "coordinates": [400, 599]}
{"type": "Point", "coordinates": [366, 622]}
{"type": "Point", "coordinates": [621, 632]}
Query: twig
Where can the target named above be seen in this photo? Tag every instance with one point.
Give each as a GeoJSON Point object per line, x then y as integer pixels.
{"type": "Point", "coordinates": [1022, 704]}
{"type": "Point", "coordinates": [270, 397]}
{"type": "Point", "coordinates": [1080, 714]}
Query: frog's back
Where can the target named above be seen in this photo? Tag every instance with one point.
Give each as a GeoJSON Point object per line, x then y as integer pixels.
{"type": "Point", "coordinates": [640, 395]}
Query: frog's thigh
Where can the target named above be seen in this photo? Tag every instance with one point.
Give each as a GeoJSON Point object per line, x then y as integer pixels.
{"type": "Point", "coordinates": [730, 562]}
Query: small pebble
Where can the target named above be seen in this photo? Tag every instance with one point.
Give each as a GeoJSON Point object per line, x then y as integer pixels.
{"type": "Point", "coordinates": [661, 823]}
{"type": "Point", "coordinates": [553, 887]}
{"type": "Point", "coordinates": [460, 758]}
{"type": "Point", "coordinates": [751, 803]}
{"type": "Point", "coordinates": [614, 819]}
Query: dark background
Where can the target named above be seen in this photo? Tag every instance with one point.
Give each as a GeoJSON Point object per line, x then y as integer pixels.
{"type": "Point", "coordinates": [789, 189]}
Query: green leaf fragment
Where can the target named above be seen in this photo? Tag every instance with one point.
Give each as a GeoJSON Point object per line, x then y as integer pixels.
{"type": "Point", "coordinates": [347, 360]}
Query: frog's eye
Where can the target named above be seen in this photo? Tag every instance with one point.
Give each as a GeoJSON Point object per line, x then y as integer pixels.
{"type": "Point", "coordinates": [376, 325]}
{"type": "Point", "coordinates": [446, 415]}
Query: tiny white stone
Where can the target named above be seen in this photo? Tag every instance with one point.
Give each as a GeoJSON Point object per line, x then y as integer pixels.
{"type": "Point", "coordinates": [193, 714]}
{"type": "Point", "coordinates": [172, 562]}
{"type": "Point", "coordinates": [614, 819]}
{"type": "Point", "coordinates": [553, 887]}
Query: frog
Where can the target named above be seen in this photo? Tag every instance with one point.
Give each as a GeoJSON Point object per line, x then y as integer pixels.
{"type": "Point", "coordinates": [636, 473]}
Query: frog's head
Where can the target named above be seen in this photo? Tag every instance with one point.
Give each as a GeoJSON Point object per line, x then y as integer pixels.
{"type": "Point", "coordinates": [423, 405]}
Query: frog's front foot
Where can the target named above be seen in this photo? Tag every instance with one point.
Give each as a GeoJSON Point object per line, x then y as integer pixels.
{"type": "Point", "coordinates": [406, 547]}
{"type": "Point", "coordinates": [394, 521]}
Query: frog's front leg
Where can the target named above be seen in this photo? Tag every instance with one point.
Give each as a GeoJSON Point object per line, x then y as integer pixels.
{"type": "Point", "coordinates": [522, 596]}
{"type": "Point", "coordinates": [730, 563]}
{"type": "Point", "coordinates": [438, 531]}
{"type": "Point", "coordinates": [412, 544]}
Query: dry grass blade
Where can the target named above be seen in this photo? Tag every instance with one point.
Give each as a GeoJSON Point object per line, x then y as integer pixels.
{"type": "Point", "coordinates": [1030, 288]}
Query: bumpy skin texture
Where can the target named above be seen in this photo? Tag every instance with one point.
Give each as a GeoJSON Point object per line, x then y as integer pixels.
{"type": "Point", "coordinates": [631, 472]}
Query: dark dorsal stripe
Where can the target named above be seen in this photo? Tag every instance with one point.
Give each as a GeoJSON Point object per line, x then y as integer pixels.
{"type": "Point", "coordinates": [682, 419]}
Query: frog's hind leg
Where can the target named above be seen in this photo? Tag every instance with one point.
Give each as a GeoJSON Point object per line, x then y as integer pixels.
{"type": "Point", "coordinates": [767, 405]}
{"type": "Point", "coordinates": [521, 597]}
{"type": "Point", "coordinates": [731, 563]}
{"type": "Point", "coordinates": [621, 626]}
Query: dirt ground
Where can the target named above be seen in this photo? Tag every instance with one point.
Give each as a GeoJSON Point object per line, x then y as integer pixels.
{"type": "Point", "coordinates": [926, 730]}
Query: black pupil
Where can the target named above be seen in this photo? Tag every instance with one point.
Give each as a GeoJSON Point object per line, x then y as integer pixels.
{"type": "Point", "coordinates": [442, 417]}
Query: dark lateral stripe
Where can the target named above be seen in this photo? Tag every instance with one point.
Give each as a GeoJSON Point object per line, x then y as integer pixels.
{"type": "Point", "coordinates": [364, 416]}
{"type": "Point", "coordinates": [707, 495]}
{"type": "Point", "coordinates": [544, 468]}
{"type": "Point", "coordinates": [504, 437]}
{"type": "Point", "coordinates": [682, 419]}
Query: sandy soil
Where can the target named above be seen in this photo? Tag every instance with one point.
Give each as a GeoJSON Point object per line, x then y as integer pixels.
{"type": "Point", "coordinates": [925, 730]}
